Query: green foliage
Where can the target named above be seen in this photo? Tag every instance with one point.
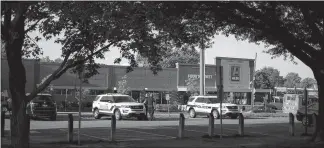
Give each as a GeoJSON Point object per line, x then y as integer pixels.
{"type": "Point", "coordinates": [308, 83]}
{"type": "Point", "coordinates": [268, 78]}
{"type": "Point", "coordinates": [185, 54]}
{"type": "Point", "coordinates": [192, 86]}
{"type": "Point", "coordinates": [292, 80]}
{"type": "Point", "coordinates": [122, 86]}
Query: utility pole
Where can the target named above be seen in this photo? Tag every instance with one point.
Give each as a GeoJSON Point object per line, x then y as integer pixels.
{"type": "Point", "coordinates": [202, 68]}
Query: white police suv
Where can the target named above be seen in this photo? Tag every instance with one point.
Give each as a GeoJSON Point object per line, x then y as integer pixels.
{"type": "Point", "coordinates": [119, 105]}
{"type": "Point", "coordinates": [204, 105]}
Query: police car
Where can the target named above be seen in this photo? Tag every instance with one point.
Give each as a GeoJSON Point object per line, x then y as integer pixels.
{"type": "Point", "coordinates": [204, 105]}
{"type": "Point", "coordinates": [117, 104]}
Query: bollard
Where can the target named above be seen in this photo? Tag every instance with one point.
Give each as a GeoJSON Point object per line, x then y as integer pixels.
{"type": "Point", "coordinates": [181, 125]}
{"type": "Point", "coordinates": [291, 124]}
{"type": "Point", "coordinates": [241, 125]}
{"type": "Point", "coordinates": [3, 114]}
{"type": "Point", "coordinates": [70, 128]}
{"type": "Point", "coordinates": [113, 128]}
{"type": "Point", "coordinates": [211, 125]}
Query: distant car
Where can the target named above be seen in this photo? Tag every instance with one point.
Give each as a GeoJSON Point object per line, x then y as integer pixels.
{"type": "Point", "coordinates": [204, 105]}
{"type": "Point", "coordinates": [119, 105]}
{"type": "Point", "coordinates": [42, 106]}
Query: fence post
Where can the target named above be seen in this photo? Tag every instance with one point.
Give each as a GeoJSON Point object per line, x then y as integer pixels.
{"type": "Point", "coordinates": [291, 124]}
{"type": "Point", "coordinates": [3, 114]}
{"type": "Point", "coordinates": [241, 124]}
{"type": "Point", "coordinates": [113, 128]}
{"type": "Point", "coordinates": [181, 125]}
{"type": "Point", "coordinates": [211, 125]}
{"type": "Point", "coordinates": [70, 128]}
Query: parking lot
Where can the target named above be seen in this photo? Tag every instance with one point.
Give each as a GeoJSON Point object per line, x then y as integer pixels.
{"type": "Point", "coordinates": [160, 129]}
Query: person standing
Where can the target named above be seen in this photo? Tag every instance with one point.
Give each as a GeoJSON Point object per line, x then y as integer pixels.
{"type": "Point", "coordinates": [150, 106]}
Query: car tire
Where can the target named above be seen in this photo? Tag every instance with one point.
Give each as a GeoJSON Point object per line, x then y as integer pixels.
{"type": "Point", "coordinates": [117, 114]}
{"type": "Point", "coordinates": [96, 114]}
{"type": "Point", "coordinates": [234, 116]}
{"type": "Point", "coordinates": [215, 114]}
{"type": "Point", "coordinates": [192, 113]}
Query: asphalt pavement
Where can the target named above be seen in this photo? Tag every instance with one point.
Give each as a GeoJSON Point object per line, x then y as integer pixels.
{"type": "Point", "coordinates": [134, 133]}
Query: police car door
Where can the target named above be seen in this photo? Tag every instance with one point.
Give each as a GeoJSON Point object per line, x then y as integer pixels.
{"type": "Point", "coordinates": [111, 104]}
{"type": "Point", "coordinates": [104, 104]}
{"type": "Point", "coordinates": [199, 103]}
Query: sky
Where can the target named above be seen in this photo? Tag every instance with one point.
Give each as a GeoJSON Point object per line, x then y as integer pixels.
{"type": "Point", "coordinates": [223, 46]}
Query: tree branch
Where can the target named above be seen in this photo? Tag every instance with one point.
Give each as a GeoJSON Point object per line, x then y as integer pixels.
{"type": "Point", "coordinates": [32, 26]}
{"type": "Point", "coordinates": [65, 65]}
{"type": "Point", "coordinates": [298, 47]}
{"type": "Point", "coordinates": [316, 33]}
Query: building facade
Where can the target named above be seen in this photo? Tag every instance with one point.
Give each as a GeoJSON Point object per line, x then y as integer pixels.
{"type": "Point", "coordinates": [237, 76]}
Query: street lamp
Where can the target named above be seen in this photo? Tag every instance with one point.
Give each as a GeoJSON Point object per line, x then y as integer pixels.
{"type": "Point", "coordinates": [115, 90]}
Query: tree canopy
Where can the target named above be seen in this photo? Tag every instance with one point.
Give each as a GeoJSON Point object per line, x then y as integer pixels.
{"type": "Point", "coordinates": [308, 83]}
{"type": "Point", "coordinates": [186, 54]}
{"type": "Point", "coordinates": [268, 78]}
{"type": "Point", "coordinates": [292, 80]}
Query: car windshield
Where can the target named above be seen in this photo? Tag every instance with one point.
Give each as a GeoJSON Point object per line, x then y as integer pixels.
{"type": "Point", "coordinates": [119, 99]}
{"type": "Point", "coordinates": [212, 100]}
{"type": "Point", "coordinates": [42, 98]}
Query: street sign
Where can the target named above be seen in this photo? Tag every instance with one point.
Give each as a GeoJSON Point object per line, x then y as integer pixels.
{"type": "Point", "coordinates": [167, 97]}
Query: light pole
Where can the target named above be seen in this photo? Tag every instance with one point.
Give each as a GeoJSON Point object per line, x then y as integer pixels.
{"type": "Point", "coordinates": [202, 69]}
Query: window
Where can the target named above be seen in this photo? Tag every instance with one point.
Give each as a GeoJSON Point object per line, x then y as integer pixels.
{"type": "Point", "coordinates": [200, 100]}
{"type": "Point", "coordinates": [104, 99]}
{"type": "Point", "coordinates": [59, 91]}
{"type": "Point", "coordinates": [191, 99]}
{"type": "Point", "coordinates": [212, 100]}
{"type": "Point", "coordinates": [43, 98]}
{"type": "Point", "coordinates": [119, 99]}
{"type": "Point", "coordinates": [96, 99]}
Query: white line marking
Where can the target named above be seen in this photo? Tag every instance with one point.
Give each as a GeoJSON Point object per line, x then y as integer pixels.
{"type": "Point", "coordinates": [147, 133]}
{"type": "Point", "coordinates": [34, 132]}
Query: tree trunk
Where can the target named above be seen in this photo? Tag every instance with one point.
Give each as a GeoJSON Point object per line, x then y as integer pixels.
{"type": "Point", "coordinates": [17, 80]}
{"type": "Point", "coordinates": [319, 75]}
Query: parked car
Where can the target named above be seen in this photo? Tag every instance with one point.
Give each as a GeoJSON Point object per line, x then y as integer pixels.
{"type": "Point", "coordinates": [42, 106]}
{"type": "Point", "coordinates": [204, 105]}
{"type": "Point", "coordinates": [119, 105]}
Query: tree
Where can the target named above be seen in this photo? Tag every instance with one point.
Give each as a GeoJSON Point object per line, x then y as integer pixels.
{"type": "Point", "coordinates": [122, 85]}
{"type": "Point", "coordinates": [46, 59]}
{"type": "Point", "coordinates": [308, 83]}
{"type": "Point", "coordinates": [58, 60]}
{"type": "Point", "coordinates": [267, 78]}
{"type": "Point", "coordinates": [292, 80]}
{"type": "Point", "coordinates": [192, 86]}
{"type": "Point", "coordinates": [186, 54]}
{"type": "Point", "coordinates": [86, 30]}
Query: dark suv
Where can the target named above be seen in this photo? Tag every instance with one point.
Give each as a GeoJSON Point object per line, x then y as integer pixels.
{"type": "Point", "coordinates": [42, 106]}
